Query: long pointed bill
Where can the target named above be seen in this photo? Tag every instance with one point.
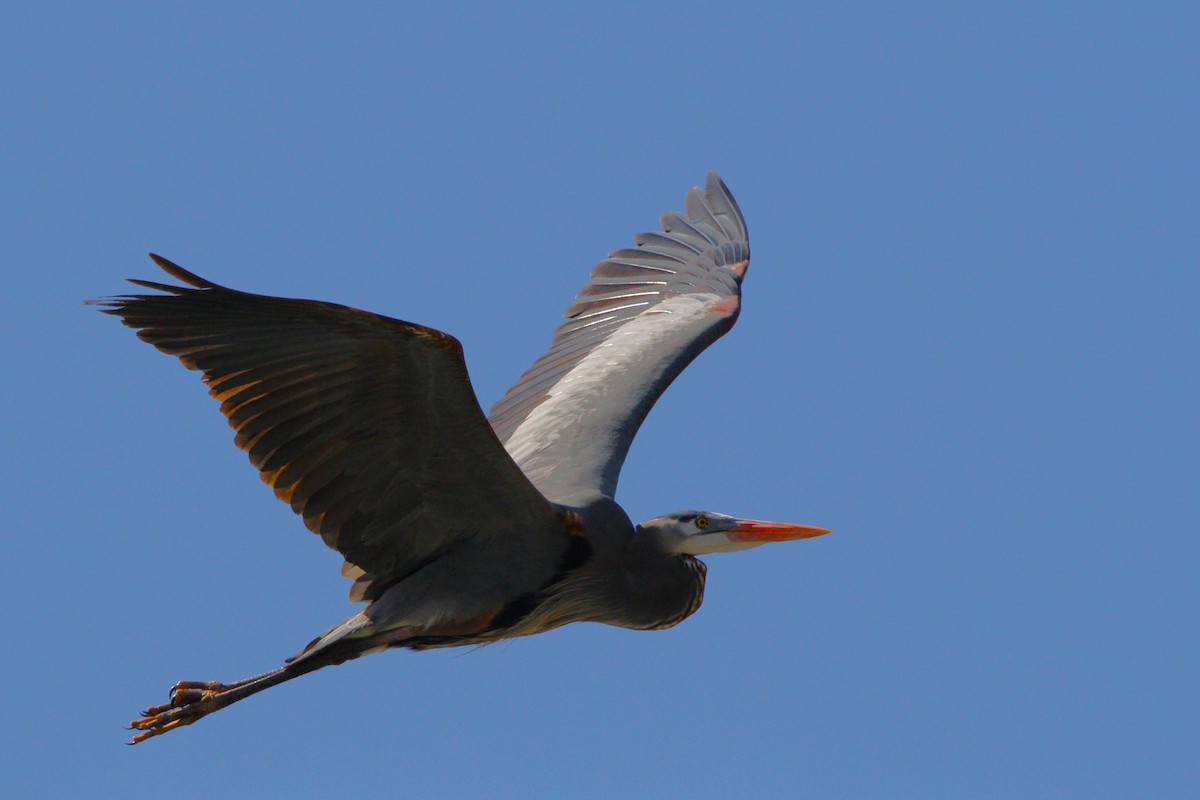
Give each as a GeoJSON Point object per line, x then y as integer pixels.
{"type": "Point", "coordinates": [753, 530]}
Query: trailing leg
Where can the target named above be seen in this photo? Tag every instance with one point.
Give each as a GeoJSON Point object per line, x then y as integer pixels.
{"type": "Point", "coordinates": [191, 700]}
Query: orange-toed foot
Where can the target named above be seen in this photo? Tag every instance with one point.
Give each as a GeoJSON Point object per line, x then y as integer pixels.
{"type": "Point", "coordinates": [190, 700]}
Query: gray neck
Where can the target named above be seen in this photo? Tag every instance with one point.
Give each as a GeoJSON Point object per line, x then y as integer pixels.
{"type": "Point", "coordinates": [653, 588]}
{"type": "Point", "coordinates": [630, 581]}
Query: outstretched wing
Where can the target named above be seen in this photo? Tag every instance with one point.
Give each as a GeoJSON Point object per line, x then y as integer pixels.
{"type": "Point", "coordinates": [367, 426]}
{"type": "Point", "coordinates": [643, 316]}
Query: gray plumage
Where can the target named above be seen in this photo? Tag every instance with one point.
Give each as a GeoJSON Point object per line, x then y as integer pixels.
{"type": "Point", "coordinates": [455, 528]}
{"type": "Point", "coordinates": [643, 316]}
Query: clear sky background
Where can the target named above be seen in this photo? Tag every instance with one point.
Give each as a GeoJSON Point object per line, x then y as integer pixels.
{"type": "Point", "coordinates": [969, 346]}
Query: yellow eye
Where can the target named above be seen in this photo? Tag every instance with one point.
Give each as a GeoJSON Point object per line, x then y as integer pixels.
{"type": "Point", "coordinates": [701, 522]}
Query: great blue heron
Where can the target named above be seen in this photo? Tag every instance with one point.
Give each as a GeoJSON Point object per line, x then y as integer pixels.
{"type": "Point", "coordinates": [457, 528]}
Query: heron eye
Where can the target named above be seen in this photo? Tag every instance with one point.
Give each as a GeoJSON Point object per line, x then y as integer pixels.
{"type": "Point", "coordinates": [701, 522]}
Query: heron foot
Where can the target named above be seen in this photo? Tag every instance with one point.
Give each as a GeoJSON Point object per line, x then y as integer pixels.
{"type": "Point", "coordinates": [190, 700]}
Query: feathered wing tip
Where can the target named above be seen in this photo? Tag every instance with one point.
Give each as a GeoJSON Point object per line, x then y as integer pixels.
{"type": "Point", "coordinates": [180, 274]}
{"type": "Point", "coordinates": [711, 225]}
{"type": "Point", "coordinates": [724, 206]}
{"type": "Point", "coordinates": [113, 305]}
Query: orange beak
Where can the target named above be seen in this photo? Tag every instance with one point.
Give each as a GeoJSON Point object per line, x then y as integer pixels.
{"type": "Point", "coordinates": [753, 530]}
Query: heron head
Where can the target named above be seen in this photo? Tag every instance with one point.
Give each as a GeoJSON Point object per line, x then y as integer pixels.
{"type": "Point", "coordinates": [699, 533]}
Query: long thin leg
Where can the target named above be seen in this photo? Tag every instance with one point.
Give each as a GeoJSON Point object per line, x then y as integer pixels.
{"type": "Point", "coordinates": [191, 700]}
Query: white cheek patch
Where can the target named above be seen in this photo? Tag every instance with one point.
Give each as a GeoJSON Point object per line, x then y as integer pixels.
{"type": "Point", "coordinates": [701, 544]}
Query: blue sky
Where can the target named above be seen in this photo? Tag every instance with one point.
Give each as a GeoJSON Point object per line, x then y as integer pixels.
{"type": "Point", "coordinates": [968, 345]}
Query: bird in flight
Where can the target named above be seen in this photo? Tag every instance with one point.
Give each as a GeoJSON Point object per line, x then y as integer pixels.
{"type": "Point", "coordinates": [459, 528]}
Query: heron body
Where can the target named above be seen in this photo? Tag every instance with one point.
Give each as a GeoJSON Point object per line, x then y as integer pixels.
{"type": "Point", "coordinates": [459, 528]}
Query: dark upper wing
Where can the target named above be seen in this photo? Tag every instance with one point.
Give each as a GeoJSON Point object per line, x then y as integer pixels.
{"type": "Point", "coordinates": [366, 426]}
{"type": "Point", "coordinates": [643, 316]}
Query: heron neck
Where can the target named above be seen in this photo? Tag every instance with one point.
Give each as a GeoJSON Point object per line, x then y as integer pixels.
{"type": "Point", "coordinates": [660, 589]}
